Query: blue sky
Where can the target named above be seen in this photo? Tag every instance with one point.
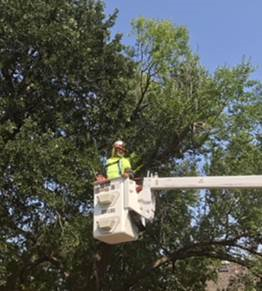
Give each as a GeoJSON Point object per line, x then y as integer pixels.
{"type": "Point", "coordinates": [222, 32]}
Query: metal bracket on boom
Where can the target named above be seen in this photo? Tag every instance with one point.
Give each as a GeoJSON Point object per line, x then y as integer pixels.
{"type": "Point", "coordinates": [143, 202]}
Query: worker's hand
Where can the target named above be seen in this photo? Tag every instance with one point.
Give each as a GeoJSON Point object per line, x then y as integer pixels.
{"type": "Point", "coordinates": [128, 174]}
{"type": "Point", "coordinates": [125, 175]}
{"type": "Point", "coordinates": [100, 179]}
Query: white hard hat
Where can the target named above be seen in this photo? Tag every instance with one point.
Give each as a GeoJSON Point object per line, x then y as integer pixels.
{"type": "Point", "coordinates": [119, 144]}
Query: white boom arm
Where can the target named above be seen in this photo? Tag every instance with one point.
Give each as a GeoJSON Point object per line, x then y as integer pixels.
{"type": "Point", "coordinates": [118, 204]}
{"type": "Point", "coordinates": [219, 182]}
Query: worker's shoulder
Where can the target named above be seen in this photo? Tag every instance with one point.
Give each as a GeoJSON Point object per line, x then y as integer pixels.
{"type": "Point", "coordinates": [125, 158]}
{"type": "Point", "coordinates": [116, 159]}
{"type": "Point", "coordinates": [112, 159]}
{"type": "Point", "coordinates": [126, 161]}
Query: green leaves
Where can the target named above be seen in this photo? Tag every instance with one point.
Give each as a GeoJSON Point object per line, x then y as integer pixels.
{"type": "Point", "coordinates": [67, 91]}
{"type": "Point", "coordinates": [160, 45]}
{"type": "Point", "coordinates": [59, 73]}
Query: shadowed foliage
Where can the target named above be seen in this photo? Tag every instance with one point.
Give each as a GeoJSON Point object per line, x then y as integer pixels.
{"type": "Point", "coordinates": [68, 89]}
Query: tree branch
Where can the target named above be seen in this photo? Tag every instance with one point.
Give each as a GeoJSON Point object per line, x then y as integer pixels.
{"type": "Point", "coordinates": [201, 249]}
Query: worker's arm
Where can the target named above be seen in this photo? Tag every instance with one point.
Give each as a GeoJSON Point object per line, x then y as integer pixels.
{"type": "Point", "coordinates": [101, 175]}
{"type": "Point", "coordinates": [128, 172]}
{"type": "Point", "coordinates": [100, 178]}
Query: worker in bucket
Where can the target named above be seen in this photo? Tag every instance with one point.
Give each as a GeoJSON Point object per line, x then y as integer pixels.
{"type": "Point", "coordinates": [118, 165]}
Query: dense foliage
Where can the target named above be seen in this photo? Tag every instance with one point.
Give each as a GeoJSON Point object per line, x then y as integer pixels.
{"type": "Point", "coordinates": [67, 91]}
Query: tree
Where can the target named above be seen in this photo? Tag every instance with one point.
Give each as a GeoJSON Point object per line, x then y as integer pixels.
{"type": "Point", "coordinates": [198, 116]}
{"type": "Point", "coordinates": [62, 80]}
{"type": "Point", "coordinates": [67, 91]}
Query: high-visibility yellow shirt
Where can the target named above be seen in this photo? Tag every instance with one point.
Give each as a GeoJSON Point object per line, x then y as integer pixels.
{"type": "Point", "coordinates": [116, 167]}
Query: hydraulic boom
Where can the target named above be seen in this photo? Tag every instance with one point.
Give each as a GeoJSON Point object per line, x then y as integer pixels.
{"type": "Point", "coordinates": [118, 207]}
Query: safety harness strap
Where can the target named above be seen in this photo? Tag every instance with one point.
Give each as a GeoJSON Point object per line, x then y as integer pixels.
{"type": "Point", "coordinates": [118, 164]}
